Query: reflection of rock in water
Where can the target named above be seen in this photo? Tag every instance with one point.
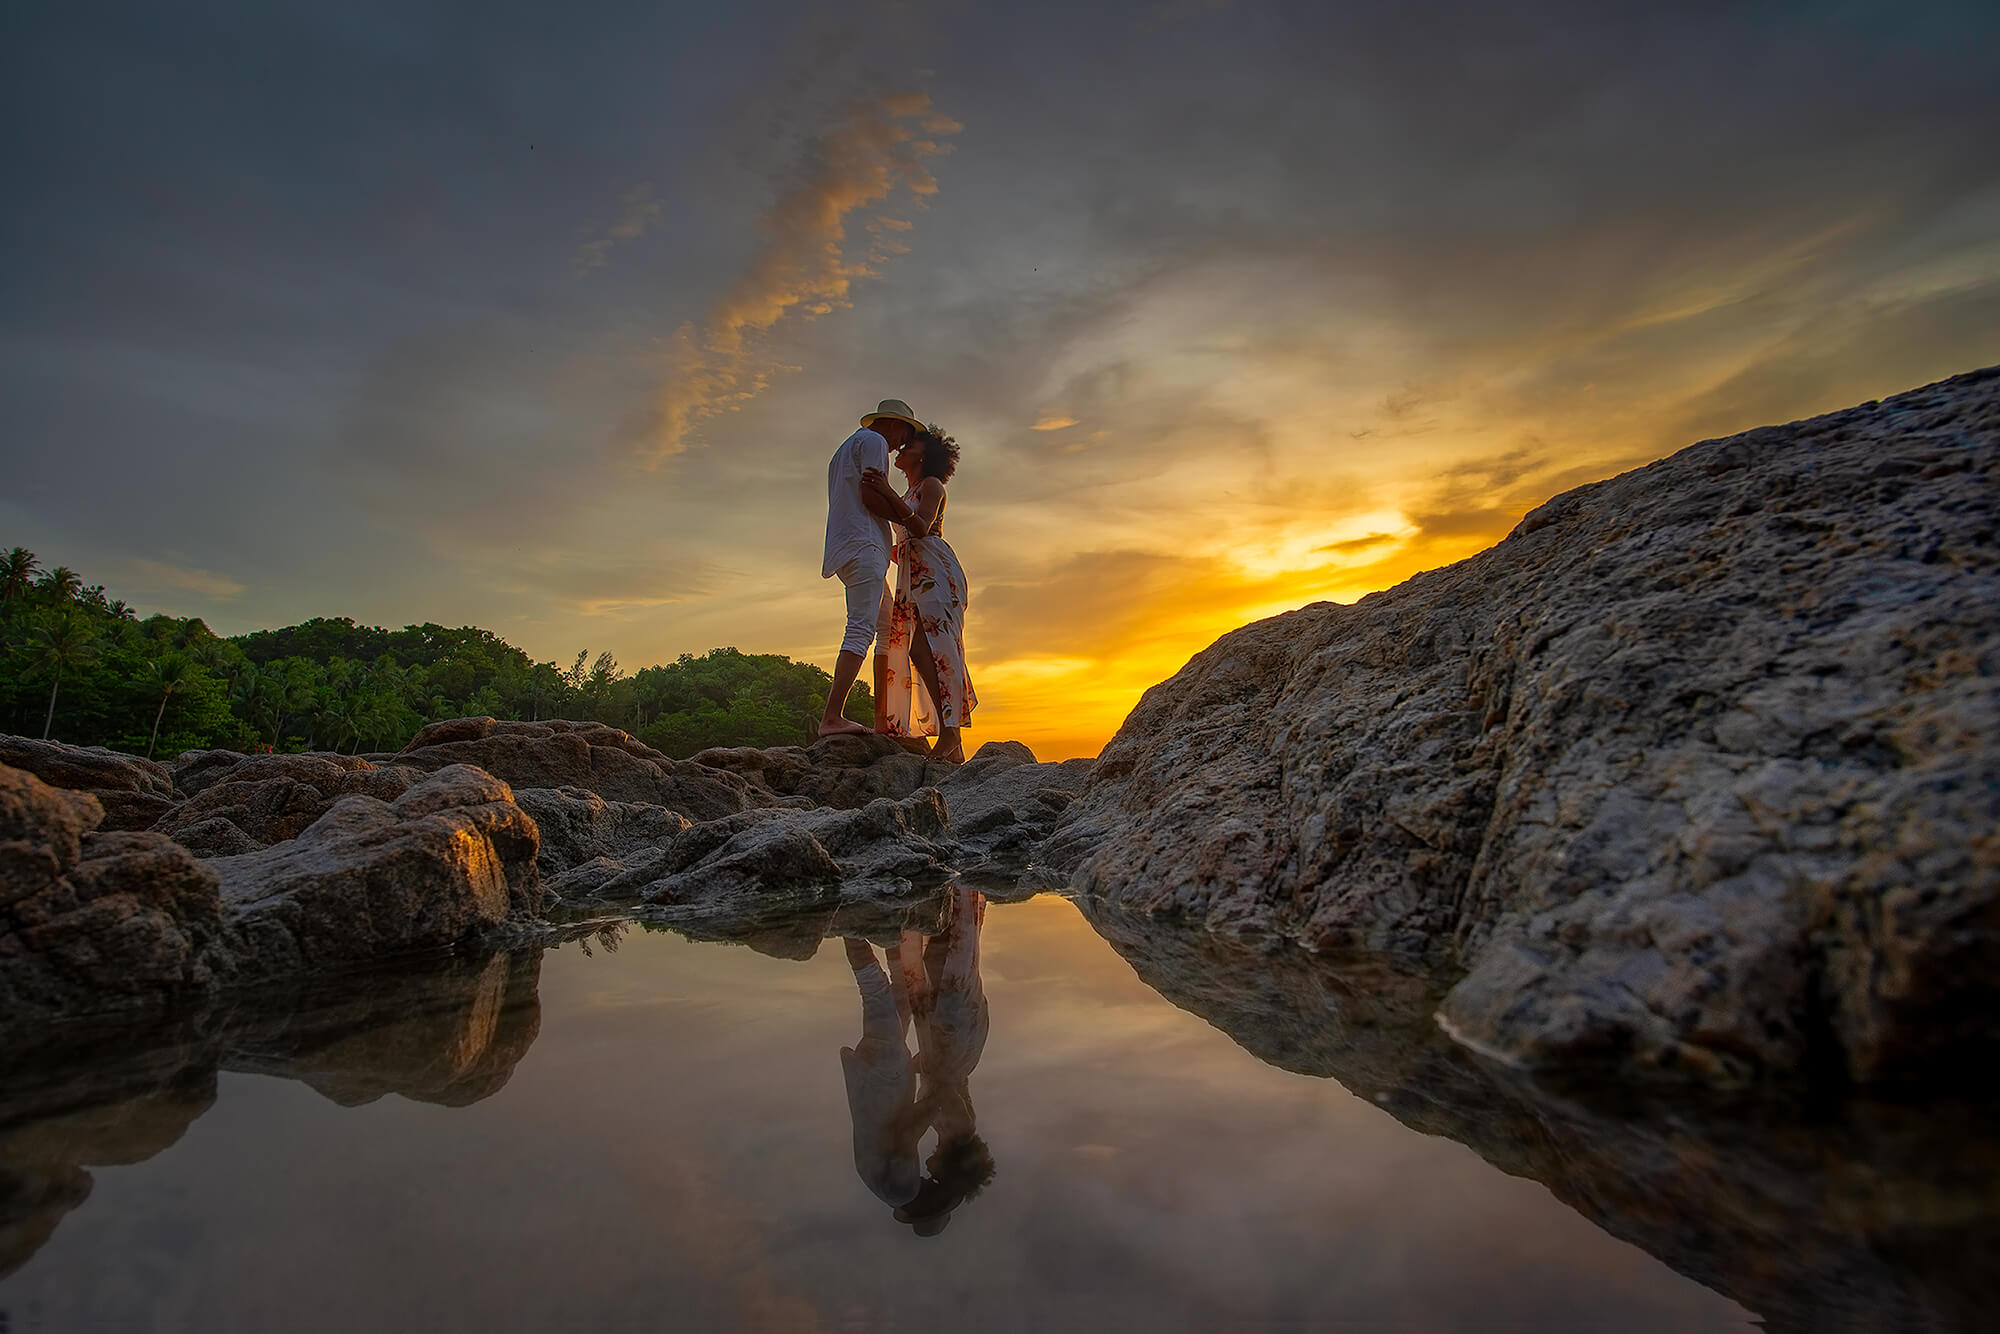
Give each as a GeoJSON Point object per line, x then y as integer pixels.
{"type": "Point", "coordinates": [450, 1033]}
{"type": "Point", "coordinates": [1867, 1216]}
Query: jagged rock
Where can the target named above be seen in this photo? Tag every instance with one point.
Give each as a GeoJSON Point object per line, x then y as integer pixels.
{"type": "Point", "coordinates": [266, 799]}
{"type": "Point", "coordinates": [578, 827]}
{"type": "Point", "coordinates": [846, 772]}
{"type": "Point", "coordinates": [133, 792]}
{"type": "Point", "coordinates": [1697, 773]}
{"type": "Point", "coordinates": [592, 756]}
{"type": "Point", "coordinates": [85, 768]}
{"type": "Point", "coordinates": [786, 858]}
{"type": "Point", "coordinates": [94, 920]}
{"type": "Point", "coordinates": [1002, 804]}
{"type": "Point", "coordinates": [196, 771]}
{"type": "Point", "coordinates": [451, 859]}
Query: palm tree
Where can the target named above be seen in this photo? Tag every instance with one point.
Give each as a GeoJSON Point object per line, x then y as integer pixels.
{"type": "Point", "coordinates": [61, 639]}
{"type": "Point", "coordinates": [169, 673]}
{"type": "Point", "coordinates": [61, 584]}
{"type": "Point", "coordinates": [17, 573]}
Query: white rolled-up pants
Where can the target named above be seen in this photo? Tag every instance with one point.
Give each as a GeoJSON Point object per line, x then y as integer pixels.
{"type": "Point", "coordinates": [869, 606]}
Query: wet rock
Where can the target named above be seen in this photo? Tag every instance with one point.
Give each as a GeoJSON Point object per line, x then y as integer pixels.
{"type": "Point", "coordinates": [578, 827]}
{"type": "Point", "coordinates": [846, 772]}
{"type": "Point", "coordinates": [266, 799]}
{"type": "Point", "coordinates": [785, 858]}
{"type": "Point", "coordinates": [451, 859]}
{"type": "Point", "coordinates": [1002, 805]}
{"type": "Point", "coordinates": [94, 920]}
{"type": "Point", "coordinates": [1696, 774]}
{"type": "Point", "coordinates": [591, 756]}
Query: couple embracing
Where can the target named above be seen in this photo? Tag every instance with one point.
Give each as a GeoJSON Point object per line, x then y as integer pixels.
{"type": "Point", "coordinates": [921, 685]}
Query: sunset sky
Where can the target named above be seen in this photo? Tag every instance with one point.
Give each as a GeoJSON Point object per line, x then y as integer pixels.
{"type": "Point", "coordinates": [545, 318]}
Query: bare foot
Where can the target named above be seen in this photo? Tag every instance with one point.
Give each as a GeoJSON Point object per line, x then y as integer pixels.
{"type": "Point", "coordinates": [956, 755]}
{"type": "Point", "coordinates": [844, 727]}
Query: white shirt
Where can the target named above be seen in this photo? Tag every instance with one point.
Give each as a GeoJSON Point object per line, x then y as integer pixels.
{"type": "Point", "coordinates": [851, 530]}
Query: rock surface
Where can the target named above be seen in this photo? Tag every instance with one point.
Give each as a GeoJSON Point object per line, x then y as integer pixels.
{"type": "Point", "coordinates": [449, 860]}
{"type": "Point", "coordinates": [1002, 805]}
{"type": "Point", "coordinates": [132, 792]}
{"type": "Point", "coordinates": [846, 772]}
{"type": "Point", "coordinates": [592, 756]}
{"type": "Point", "coordinates": [266, 799]}
{"type": "Point", "coordinates": [116, 920]}
{"type": "Point", "coordinates": [1696, 773]}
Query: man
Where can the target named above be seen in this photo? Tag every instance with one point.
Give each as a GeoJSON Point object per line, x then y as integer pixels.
{"type": "Point", "coordinates": [858, 544]}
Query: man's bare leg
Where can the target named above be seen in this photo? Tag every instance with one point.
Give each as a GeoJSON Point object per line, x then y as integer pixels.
{"type": "Point", "coordinates": [845, 669]}
{"type": "Point", "coordinates": [881, 693]}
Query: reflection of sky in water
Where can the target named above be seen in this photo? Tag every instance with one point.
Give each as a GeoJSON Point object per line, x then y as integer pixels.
{"type": "Point", "coordinates": [674, 1153]}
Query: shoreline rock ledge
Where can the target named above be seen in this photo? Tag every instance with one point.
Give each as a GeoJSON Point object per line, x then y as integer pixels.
{"type": "Point", "coordinates": [1694, 775]}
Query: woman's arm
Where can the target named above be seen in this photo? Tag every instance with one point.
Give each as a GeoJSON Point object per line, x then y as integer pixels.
{"type": "Point", "coordinates": [914, 520]}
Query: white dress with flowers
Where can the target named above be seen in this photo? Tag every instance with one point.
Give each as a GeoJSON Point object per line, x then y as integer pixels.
{"type": "Point", "coordinates": [931, 599]}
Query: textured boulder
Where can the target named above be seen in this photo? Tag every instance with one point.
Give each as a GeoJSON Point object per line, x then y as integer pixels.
{"type": "Point", "coordinates": [93, 920]}
{"type": "Point", "coordinates": [266, 799]}
{"type": "Point", "coordinates": [578, 826]}
{"type": "Point", "coordinates": [1002, 804]}
{"type": "Point", "coordinates": [1697, 772]}
{"type": "Point", "coordinates": [592, 756]}
{"type": "Point", "coordinates": [783, 856]}
{"type": "Point", "coordinates": [451, 859]}
{"type": "Point", "coordinates": [132, 792]}
{"type": "Point", "coordinates": [846, 772]}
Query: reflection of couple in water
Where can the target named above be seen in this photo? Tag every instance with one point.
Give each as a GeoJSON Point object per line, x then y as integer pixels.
{"type": "Point", "coordinates": [896, 1098]}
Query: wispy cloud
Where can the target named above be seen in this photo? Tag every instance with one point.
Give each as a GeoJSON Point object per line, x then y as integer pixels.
{"type": "Point", "coordinates": [808, 264]}
{"type": "Point", "coordinates": [144, 577]}
{"type": "Point", "coordinates": [1053, 424]}
{"type": "Point", "coordinates": [640, 211]}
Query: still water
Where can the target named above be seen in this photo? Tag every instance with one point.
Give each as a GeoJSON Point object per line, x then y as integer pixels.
{"type": "Point", "coordinates": [644, 1132]}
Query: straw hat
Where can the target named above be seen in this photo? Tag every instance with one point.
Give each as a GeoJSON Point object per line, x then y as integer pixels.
{"type": "Point", "coordinates": [894, 408]}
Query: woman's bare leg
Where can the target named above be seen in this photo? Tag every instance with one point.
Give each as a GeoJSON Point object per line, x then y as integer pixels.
{"type": "Point", "coordinates": [950, 746]}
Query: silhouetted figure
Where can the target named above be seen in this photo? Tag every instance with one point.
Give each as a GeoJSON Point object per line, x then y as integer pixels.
{"type": "Point", "coordinates": [895, 1098]}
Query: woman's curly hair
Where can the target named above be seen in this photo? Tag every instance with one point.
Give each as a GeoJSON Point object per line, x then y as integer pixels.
{"type": "Point", "coordinates": [940, 452]}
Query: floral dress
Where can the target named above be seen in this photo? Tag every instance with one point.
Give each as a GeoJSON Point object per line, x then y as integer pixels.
{"type": "Point", "coordinates": [930, 599]}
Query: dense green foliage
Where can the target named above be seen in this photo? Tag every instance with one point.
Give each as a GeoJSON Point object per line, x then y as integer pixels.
{"type": "Point", "coordinates": [81, 667]}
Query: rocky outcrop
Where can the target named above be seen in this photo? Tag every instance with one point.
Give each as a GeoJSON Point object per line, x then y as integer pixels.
{"type": "Point", "coordinates": [846, 772]}
{"type": "Point", "coordinates": [132, 792]}
{"type": "Point", "coordinates": [591, 756]}
{"type": "Point", "coordinates": [266, 799]}
{"type": "Point", "coordinates": [1697, 773]}
{"type": "Point", "coordinates": [579, 827]}
{"type": "Point", "coordinates": [106, 920]}
{"type": "Point", "coordinates": [1002, 805]}
{"type": "Point", "coordinates": [783, 857]}
{"type": "Point", "coordinates": [451, 859]}
{"type": "Point", "coordinates": [93, 921]}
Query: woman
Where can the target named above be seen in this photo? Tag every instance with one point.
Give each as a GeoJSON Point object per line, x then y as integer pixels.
{"type": "Point", "coordinates": [927, 627]}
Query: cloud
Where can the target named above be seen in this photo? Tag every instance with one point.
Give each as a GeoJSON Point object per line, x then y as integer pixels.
{"type": "Point", "coordinates": [807, 266]}
{"type": "Point", "coordinates": [1053, 424]}
{"type": "Point", "coordinates": [641, 212]}
{"type": "Point", "coordinates": [144, 577]}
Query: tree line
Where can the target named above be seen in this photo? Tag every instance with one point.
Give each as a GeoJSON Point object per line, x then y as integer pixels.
{"type": "Point", "coordinates": [80, 666]}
